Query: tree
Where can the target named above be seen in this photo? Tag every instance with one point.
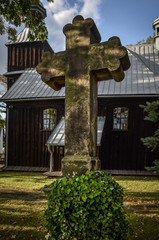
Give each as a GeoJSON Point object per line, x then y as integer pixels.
{"type": "Point", "coordinates": [149, 40]}
{"type": "Point", "coordinates": [16, 12]}
{"type": "Point", "coordinates": [152, 142]}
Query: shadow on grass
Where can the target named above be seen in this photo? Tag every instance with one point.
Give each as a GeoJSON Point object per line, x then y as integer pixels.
{"type": "Point", "coordinates": [21, 217]}
{"type": "Point", "coordinates": [144, 196]}
{"type": "Point", "coordinates": [143, 227]}
{"type": "Point", "coordinates": [139, 178]}
{"type": "Point", "coordinates": [22, 195]}
{"type": "Point", "coordinates": [28, 233]}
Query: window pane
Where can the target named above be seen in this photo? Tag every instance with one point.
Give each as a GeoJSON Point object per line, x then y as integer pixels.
{"type": "Point", "coordinates": [49, 118]}
{"type": "Point", "coordinates": [120, 118]}
{"type": "Point", "coordinates": [124, 123]}
{"type": "Point", "coordinates": [116, 123]}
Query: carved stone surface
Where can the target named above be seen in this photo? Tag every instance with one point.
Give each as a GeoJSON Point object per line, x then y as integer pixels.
{"type": "Point", "coordinates": [84, 62]}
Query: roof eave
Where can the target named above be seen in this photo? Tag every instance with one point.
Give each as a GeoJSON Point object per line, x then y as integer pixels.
{"type": "Point", "coordinates": [63, 97]}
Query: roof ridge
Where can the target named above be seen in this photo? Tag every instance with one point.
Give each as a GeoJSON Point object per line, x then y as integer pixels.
{"type": "Point", "coordinates": [138, 56]}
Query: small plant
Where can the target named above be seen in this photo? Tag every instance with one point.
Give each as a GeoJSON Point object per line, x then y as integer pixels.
{"type": "Point", "coordinates": [87, 207]}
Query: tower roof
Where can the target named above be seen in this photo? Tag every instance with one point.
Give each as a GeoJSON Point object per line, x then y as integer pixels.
{"type": "Point", "coordinates": [155, 22]}
{"type": "Point", "coordinates": [22, 37]}
{"type": "Point", "coordinates": [39, 8]}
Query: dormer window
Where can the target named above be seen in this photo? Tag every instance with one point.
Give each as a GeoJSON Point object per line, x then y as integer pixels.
{"type": "Point", "coordinates": [49, 118]}
{"type": "Point", "coordinates": [120, 118]}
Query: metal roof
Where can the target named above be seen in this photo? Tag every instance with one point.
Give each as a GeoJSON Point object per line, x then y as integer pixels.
{"type": "Point", "coordinates": [141, 79]}
{"type": "Point", "coordinates": [30, 86]}
{"type": "Point", "coordinates": [14, 72]}
{"type": "Point", "coordinates": [57, 137]}
{"type": "Point", "coordinates": [23, 37]}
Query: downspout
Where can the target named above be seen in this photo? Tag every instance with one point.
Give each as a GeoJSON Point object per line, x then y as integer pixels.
{"type": "Point", "coordinates": [51, 155]}
{"type": "Point", "coordinates": [7, 126]}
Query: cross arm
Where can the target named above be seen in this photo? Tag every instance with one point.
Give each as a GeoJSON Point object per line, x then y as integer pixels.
{"type": "Point", "coordinates": [52, 69]}
{"type": "Point", "coordinates": [109, 60]}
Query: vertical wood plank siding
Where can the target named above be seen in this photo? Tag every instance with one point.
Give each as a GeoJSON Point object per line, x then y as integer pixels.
{"type": "Point", "coordinates": [124, 150]}
{"type": "Point", "coordinates": [26, 138]}
{"type": "Point", "coordinates": [13, 56]}
{"type": "Point", "coordinates": [22, 56]}
{"type": "Point", "coordinates": [120, 150]}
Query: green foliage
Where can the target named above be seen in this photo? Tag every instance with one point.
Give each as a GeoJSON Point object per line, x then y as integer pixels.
{"type": "Point", "coordinates": [2, 110]}
{"type": "Point", "coordinates": [152, 110]}
{"type": "Point", "coordinates": [16, 12]}
{"type": "Point", "coordinates": [154, 168]}
{"type": "Point", "coordinates": [87, 207]}
{"type": "Point", "coordinates": [2, 122]}
{"type": "Point", "coordinates": [149, 40]}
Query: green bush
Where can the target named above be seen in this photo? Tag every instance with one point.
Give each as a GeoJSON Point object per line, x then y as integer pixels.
{"type": "Point", "coordinates": [86, 207]}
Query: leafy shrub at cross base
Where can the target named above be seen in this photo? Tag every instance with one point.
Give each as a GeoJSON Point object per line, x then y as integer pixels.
{"type": "Point", "coordinates": [87, 207]}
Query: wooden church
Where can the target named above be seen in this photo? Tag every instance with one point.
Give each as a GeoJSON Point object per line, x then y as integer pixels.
{"type": "Point", "coordinates": [35, 112]}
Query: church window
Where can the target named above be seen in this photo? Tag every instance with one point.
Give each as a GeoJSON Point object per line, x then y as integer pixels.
{"type": "Point", "coordinates": [49, 118]}
{"type": "Point", "coordinates": [120, 118]}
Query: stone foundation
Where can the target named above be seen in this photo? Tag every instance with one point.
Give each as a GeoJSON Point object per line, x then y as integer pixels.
{"type": "Point", "coordinates": [77, 165]}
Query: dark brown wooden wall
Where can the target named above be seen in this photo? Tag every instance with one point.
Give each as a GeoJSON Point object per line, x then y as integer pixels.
{"type": "Point", "coordinates": [123, 150]}
{"type": "Point", "coordinates": [26, 55]}
{"type": "Point", "coordinates": [26, 138]}
{"type": "Point", "coordinates": [11, 80]}
{"type": "Point", "coordinates": [21, 57]}
{"type": "Point", "coordinates": [120, 150]}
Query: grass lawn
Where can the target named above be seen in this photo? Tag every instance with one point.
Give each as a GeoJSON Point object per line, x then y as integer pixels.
{"type": "Point", "coordinates": [142, 204]}
{"type": "Point", "coordinates": [22, 204]}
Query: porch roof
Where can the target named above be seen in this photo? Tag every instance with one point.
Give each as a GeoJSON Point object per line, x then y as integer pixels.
{"type": "Point", "coordinates": [141, 79]}
{"type": "Point", "coordinates": [57, 137]}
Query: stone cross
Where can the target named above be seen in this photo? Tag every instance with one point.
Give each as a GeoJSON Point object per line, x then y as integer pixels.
{"type": "Point", "coordinates": [85, 62]}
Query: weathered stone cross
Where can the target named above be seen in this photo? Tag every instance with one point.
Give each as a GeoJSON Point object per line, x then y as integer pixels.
{"type": "Point", "coordinates": [84, 62]}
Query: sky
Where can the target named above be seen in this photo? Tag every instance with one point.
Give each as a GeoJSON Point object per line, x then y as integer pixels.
{"type": "Point", "coordinates": [130, 20]}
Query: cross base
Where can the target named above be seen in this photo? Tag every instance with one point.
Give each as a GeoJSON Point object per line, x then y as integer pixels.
{"type": "Point", "coordinates": [76, 165]}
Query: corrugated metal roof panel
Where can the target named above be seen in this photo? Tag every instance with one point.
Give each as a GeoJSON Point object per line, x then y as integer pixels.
{"type": "Point", "coordinates": [57, 137]}
{"type": "Point", "coordinates": [149, 55]}
{"type": "Point", "coordinates": [142, 78]}
{"type": "Point", "coordinates": [30, 86]}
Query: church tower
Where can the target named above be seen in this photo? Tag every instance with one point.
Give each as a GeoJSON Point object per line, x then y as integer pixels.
{"type": "Point", "coordinates": [155, 25]}
{"type": "Point", "coordinates": [24, 53]}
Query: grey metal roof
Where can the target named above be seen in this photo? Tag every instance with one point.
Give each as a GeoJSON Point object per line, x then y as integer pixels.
{"type": "Point", "coordinates": [57, 137]}
{"type": "Point", "coordinates": [23, 37]}
{"type": "Point", "coordinates": [141, 79]}
{"type": "Point", "coordinates": [149, 55]}
{"type": "Point", "coordinates": [13, 73]}
{"type": "Point", "coordinates": [30, 86]}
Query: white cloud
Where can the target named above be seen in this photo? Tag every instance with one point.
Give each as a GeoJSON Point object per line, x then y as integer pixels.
{"type": "Point", "coordinates": [59, 14]}
{"type": "Point", "coordinates": [62, 12]}
{"type": "Point", "coordinates": [90, 8]}
{"type": "Point", "coordinates": [65, 16]}
{"type": "Point", "coordinates": [3, 53]}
